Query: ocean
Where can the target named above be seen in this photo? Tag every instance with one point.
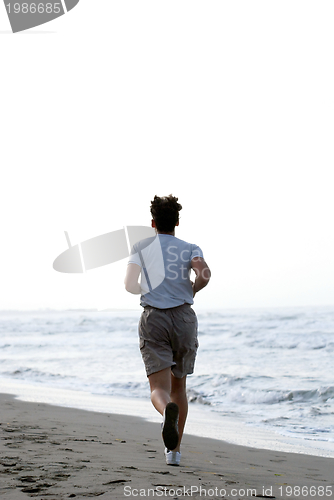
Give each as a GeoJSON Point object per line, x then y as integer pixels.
{"type": "Point", "coordinates": [263, 377]}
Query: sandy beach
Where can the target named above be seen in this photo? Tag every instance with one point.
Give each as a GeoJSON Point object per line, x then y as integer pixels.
{"type": "Point", "coordinates": [51, 452]}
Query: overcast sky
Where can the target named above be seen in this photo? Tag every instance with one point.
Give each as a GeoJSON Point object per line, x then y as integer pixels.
{"type": "Point", "coordinates": [226, 105]}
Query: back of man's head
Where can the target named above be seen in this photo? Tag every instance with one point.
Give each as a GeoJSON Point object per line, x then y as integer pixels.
{"type": "Point", "coordinates": [165, 212]}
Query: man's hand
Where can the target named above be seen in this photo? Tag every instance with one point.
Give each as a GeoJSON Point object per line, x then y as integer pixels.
{"type": "Point", "coordinates": [192, 285]}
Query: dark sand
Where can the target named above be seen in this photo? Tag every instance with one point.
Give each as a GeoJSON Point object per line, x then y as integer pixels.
{"type": "Point", "coordinates": [50, 452]}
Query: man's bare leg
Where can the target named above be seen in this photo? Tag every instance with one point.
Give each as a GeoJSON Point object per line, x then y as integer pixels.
{"type": "Point", "coordinates": [160, 384]}
{"type": "Point", "coordinates": [166, 388]}
{"type": "Point", "coordinates": [179, 396]}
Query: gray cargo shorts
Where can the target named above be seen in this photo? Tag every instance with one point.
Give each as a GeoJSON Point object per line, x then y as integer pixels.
{"type": "Point", "coordinates": [168, 337]}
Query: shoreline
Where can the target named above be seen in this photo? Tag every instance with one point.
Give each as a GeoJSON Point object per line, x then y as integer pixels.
{"type": "Point", "coordinates": [56, 452]}
{"type": "Point", "coordinates": [202, 421]}
{"type": "Point", "coordinates": [255, 404]}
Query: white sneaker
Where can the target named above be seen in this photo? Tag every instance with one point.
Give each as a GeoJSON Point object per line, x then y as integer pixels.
{"type": "Point", "coordinates": [172, 457]}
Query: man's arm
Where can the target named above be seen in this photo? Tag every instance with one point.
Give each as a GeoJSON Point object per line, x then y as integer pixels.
{"type": "Point", "coordinates": [203, 274]}
{"type": "Point", "coordinates": [131, 279]}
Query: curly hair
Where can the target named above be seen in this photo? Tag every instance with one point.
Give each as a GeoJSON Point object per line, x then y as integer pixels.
{"type": "Point", "coordinates": [165, 212]}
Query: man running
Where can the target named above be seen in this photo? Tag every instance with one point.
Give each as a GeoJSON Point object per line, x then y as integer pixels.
{"type": "Point", "coordinates": [168, 324]}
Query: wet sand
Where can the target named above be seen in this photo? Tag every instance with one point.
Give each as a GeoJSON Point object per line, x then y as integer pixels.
{"type": "Point", "coordinates": [51, 452]}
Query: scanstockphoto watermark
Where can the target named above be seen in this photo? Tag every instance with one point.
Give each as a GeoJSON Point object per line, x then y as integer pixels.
{"type": "Point", "coordinates": [139, 242]}
{"type": "Point", "coordinates": [102, 250]}
{"type": "Point", "coordinates": [164, 491]}
{"type": "Point", "coordinates": [26, 14]}
{"type": "Point", "coordinates": [264, 492]}
{"type": "Point", "coordinates": [176, 271]}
